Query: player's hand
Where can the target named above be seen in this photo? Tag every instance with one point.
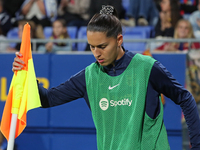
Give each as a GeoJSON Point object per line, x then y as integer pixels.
{"type": "Point", "coordinates": [18, 63]}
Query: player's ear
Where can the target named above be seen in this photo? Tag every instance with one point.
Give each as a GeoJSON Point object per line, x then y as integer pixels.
{"type": "Point", "coordinates": [120, 39]}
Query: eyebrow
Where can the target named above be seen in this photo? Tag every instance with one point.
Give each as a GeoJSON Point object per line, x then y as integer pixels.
{"type": "Point", "coordinates": [103, 44]}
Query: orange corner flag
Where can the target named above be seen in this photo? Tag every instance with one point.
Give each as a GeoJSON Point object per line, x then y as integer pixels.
{"type": "Point", "coordinates": [23, 93]}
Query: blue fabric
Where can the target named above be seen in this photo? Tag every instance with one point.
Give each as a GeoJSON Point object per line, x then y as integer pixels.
{"type": "Point", "coordinates": [160, 81]}
{"type": "Point", "coordinates": [144, 8]}
{"type": "Point", "coordinates": [181, 47]}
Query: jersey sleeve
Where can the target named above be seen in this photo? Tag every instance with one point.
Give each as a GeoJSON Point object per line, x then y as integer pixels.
{"type": "Point", "coordinates": [163, 82]}
{"type": "Point", "coordinates": [68, 91]}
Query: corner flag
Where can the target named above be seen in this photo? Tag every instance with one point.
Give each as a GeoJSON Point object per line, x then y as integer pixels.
{"type": "Point", "coordinates": [23, 93]}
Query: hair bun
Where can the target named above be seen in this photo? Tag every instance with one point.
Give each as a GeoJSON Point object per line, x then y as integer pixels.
{"type": "Point", "coordinates": [107, 10]}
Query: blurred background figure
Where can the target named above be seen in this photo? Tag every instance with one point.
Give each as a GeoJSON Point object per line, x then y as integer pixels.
{"type": "Point", "coordinates": [183, 30]}
{"type": "Point", "coordinates": [42, 12]}
{"type": "Point", "coordinates": [74, 12]}
{"type": "Point", "coordinates": [21, 24]}
{"type": "Point", "coordinates": [5, 19]}
{"type": "Point", "coordinates": [194, 19]}
{"type": "Point", "coordinates": [169, 16]}
{"type": "Point", "coordinates": [141, 13]}
{"type": "Point", "coordinates": [59, 32]}
{"type": "Point", "coordinates": [187, 7]}
{"type": "Point", "coordinates": [3, 45]}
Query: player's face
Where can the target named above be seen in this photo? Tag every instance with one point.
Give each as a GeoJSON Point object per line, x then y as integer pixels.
{"type": "Point", "coordinates": [105, 49]}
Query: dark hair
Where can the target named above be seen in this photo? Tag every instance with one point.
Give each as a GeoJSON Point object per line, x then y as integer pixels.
{"type": "Point", "coordinates": [175, 12]}
{"type": "Point", "coordinates": [106, 21]}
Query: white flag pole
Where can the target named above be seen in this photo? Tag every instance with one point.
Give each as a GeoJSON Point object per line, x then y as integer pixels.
{"type": "Point", "coordinates": [11, 139]}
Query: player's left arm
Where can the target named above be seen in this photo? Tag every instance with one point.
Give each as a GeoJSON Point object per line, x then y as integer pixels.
{"type": "Point", "coordinates": [163, 82]}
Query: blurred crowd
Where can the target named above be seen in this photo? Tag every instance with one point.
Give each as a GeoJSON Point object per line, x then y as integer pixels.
{"type": "Point", "coordinates": [169, 19]}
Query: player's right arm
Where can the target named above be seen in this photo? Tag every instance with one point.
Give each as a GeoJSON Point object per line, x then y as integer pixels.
{"type": "Point", "coordinates": [68, 91]}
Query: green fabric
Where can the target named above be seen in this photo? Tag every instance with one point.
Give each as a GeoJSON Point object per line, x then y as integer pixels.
{"type": "Point", "coordinates": [119, 112]}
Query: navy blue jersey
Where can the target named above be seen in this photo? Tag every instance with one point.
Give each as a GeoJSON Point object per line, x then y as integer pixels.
{"type": "Point", "coordinates": [160, 81]}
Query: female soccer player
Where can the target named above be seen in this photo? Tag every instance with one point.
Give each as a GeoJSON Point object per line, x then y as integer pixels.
{"type": "Point", "coordinates": [123, 91]}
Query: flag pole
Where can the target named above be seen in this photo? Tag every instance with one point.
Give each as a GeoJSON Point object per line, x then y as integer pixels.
{"type": "Point", "coordinates": [20, 99]}
{"type": "Point", "coordinates": [11, 141]}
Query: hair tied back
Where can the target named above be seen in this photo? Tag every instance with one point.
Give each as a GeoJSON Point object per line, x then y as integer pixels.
{"type": "Point", "coordinates": [107, 10]}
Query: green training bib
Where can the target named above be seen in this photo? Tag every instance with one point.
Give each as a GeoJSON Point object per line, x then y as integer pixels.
{"type": "Point", "coordinates": [118, 108]}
